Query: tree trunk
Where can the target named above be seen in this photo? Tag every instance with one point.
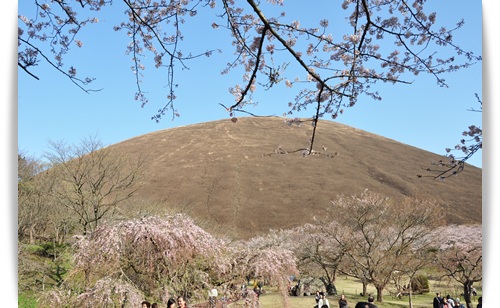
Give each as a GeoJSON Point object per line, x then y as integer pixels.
{"type": "Point", "coordinates": [32, 238]}
{"type": "Point", "coordinates": [329, 285]}
{"type": "Point", "coordinates": [380, 296]}
{"type": "Point", "coordinates": [56, 235]}
{"type": "Point", "coordinates": [467, 293]}
{"type": "Point", "coordinates": [410, 303]}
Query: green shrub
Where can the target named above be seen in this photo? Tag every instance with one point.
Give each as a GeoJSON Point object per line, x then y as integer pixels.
{"type": "Point", "coordinates": [420, 284]}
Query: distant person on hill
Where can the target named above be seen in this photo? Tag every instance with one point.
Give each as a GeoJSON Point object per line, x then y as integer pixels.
{"type": "Point", "coordinates": [436, 303]}
{"type": "Point", "coordinates": [368, 304]}
{"type": "Point", "coordinates": [342, 301]}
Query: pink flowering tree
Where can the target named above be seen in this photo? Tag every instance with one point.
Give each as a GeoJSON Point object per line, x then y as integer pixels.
{"type": "Point", "coordinates": [157, 258]}
{"type": "Point", "coordinates": [338, 60]}
{"type": "Point", "coordinates": [106, 292]}
{"type": "Point", "coordinates": [266, 258]}
{"type": "Point", "coordinates": [318, 252]}
{"type": "Point", "coordinates": [315, 253]}
{"type": "Point", "coordinates": [381, 236]}
{"type": "Point", "coordinates": [459, 255]}
{"type": "Point", "coordinates": [152, 257]}
{"type": "Point", "coordinates": [152, 253]}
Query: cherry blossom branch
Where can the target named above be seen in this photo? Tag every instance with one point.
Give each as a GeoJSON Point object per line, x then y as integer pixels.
{"type": "Point", "coordinates": [454, 165]}
{"type": "Point", "coordinates": [254, 73]}
{"type": "Point", "coordinates": [288, 47]}
{"type": "Point", "coordinates": [71, 75]}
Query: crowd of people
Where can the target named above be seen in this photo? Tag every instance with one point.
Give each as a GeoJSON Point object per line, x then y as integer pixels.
{"type": "Point", "coordinates": [181, 303]}
{"type": "Point", "coordinates": [438, 302]}
{"type": "Point", "coordinates": [448, 302]}
{"type": "Point", "coordinates": [322, 302]}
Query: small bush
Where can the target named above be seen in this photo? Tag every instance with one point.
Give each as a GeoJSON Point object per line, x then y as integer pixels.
{"type": "Point", "coordinates": [420, 284]}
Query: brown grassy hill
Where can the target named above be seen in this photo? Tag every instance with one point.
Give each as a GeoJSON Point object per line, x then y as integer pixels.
{"type": "Point", "coordinates": [220, 174]}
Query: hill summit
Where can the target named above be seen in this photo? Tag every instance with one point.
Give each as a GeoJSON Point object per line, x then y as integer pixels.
{"type": "Point", "coordinates": [243, 178]}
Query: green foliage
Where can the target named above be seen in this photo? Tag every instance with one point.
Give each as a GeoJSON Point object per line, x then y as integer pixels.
{"type": "Point", "coordinates": [42, 266]}
{"type": "Point", "coordinates": [49, 249]}
{"type": "Point", "coordinates": [26, 301]}
{"type": "Point", "coordinates": [420, 284]}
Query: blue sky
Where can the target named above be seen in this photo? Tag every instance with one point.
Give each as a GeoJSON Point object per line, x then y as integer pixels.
{"type": "Point", "coordinates": [53, 109]}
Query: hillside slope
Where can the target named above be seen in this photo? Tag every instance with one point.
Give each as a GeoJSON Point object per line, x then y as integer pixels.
{"type": "Point", "coordinates": [228, 177]}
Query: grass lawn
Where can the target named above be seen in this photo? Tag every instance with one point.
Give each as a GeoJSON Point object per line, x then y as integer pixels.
{"type": "Point", "coordinates": [351, 289]}
{"type": "Point", "coordinates": [345, 285]}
